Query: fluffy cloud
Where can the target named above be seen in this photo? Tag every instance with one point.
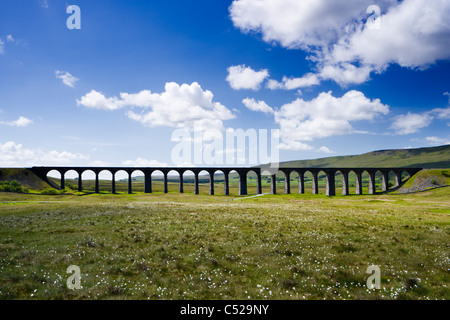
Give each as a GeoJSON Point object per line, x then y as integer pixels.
{"type": "Point", "coordinates": [345, 73]}
{"type": "Point", "coordinates": [324, 116]}
{"type": "Point", "coordinates": [441, 113]}
{"type": "Point", "coordinates": [308, 80]}
{"type": "Point", "coordinates": [242, 77]}
{"type": "Point", "coordinates": [68, 79]}
{"type": "Point", "coordinates": [411, 122]}
{"type": "Point", "coordinates": [436, 141]}
{"type": "Point", "coordinates": [254, 105]}
{"type": "Point", "coordinates": [9, 38]}
{"type": "Point", "coordinates": [21, 122]}
{"type": "Point", "coordinates": [413, 33]}
{"type": "Point", "coordinates": [15, 155]}
{"type": "Point", "coordinates": [178, 106]}
{"type": "Point", "coordinates": [2, 47]}
{"type": "Point", "coordinates": [324, 150]}
{"type": "Point", "coordinates": [297, 24]}
{"type": "Point", "coordinates": [97, 100]}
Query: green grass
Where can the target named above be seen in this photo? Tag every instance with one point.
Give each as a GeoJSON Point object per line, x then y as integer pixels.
{"type": "Point", "coordinates": [185, 246]}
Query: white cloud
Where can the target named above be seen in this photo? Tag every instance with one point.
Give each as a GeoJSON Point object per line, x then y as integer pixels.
{"type": "Point", "coordinates": [254, 105]}
{"type": "Point", "coordinates": [324, 116]}
{"type": "Point", "coordinates": [411, 123]}
{"type": "Point", "coordinates": [308, 80]}
{"type": "Point", "coordinates": [413, 33]}
{"type": "Point", "coordinates": [140, 162]}
{"type": "Point", "coordinates": [324, 149]}
{"type": "Point", "coordinates": [9, 38]}
{"type": "Point", "coordinates": [66, 77]}
{"type": "Point", "coordinates": [297, 24]}
{"type": "Point", "coordinates": [97, 100]}
{"type": "Point", "coordinates": [178, 106]}
{"type": "Point", "coordinates": [345, 73]}
{"type": "Point", "coordinates": [242, 77]}
{"type": "Point", "coordinates": [14, 154]}
{"type": "Point", "coordinates": [441, 113]}
{"type": "Point", "coordinates": [436, 141]}
{"type": "Point", "coordinates": [2, 47]}
{"type": "Point", "coordinates": [21, 122]}
{"type": "Point", "coordinates": [291, 144]}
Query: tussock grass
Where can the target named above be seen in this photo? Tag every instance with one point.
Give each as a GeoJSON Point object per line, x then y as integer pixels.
{"type": "Point", "coordinates": [172, 246]}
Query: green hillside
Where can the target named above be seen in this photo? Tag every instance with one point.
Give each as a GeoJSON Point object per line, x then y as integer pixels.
{"type": "Point", "coordinates": [24, 176]}
{"type": "Point", "coordinates": [434, 157]}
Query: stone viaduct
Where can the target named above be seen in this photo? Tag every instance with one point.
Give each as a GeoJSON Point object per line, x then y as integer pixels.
{"type": "Point", "coordinates": [330, 173]}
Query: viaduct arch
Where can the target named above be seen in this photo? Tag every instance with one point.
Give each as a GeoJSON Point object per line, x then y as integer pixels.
{"type": "Point", "coordinates": [330, 179]}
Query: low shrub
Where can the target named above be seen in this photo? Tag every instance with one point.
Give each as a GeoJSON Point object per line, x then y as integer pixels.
{"type": "Point", "coordinates": [49, 191]}
{"type": "Point", "coordinates": [13, 186]}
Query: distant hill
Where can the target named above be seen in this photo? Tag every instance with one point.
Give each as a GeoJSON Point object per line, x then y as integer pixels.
{"type": "Point", "coordinates": [433, 157]}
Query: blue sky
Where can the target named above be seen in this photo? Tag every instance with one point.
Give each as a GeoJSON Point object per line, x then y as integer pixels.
{"type": "Point", "coordinates": [114, 91]}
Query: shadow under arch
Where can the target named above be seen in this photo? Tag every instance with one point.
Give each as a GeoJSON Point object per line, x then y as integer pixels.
{"type": "Point", "coordinates": [70, 179]}
{"type": "Point", "coordinates": [55, 179]}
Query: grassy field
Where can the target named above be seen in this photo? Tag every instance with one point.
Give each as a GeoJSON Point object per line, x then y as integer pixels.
{"type": "Point", "coordinates": [185, 246]}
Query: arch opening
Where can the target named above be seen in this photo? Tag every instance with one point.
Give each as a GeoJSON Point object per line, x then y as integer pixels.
{"type": "Point", "coordinates": [71, 180]}
{"type": "Point", "coordinates": [322, 179]}
{"type": "Point", "coordinates": [54, 177]}
{"type": "Point", "coordinates": [120, 181]}
{"type": "Point", "coordinates": [341, 186]}
{"type": "Point", "coordinates": [137, 182]}
{"type": "Point", "coordinates": [188, 177]}
{"type": "Point", "coordinates": [105, 178]}
{"type": "Point", "coordinates": [233, 183]}
{"type": "Point", "coordinates": [203, 182]}
{"type": "Point", "coordinates": [308, 181]}
{"type": "Point", "coordinates": [379, 181]}
{"type": "Point", "coordinates": [88, 181]}
{"type": "Point", "coordinates": [173, 181]}
{"type": "Point", "coordinates": [254, 185]}
{"type": "Point", "coordinates": [157, 177]}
